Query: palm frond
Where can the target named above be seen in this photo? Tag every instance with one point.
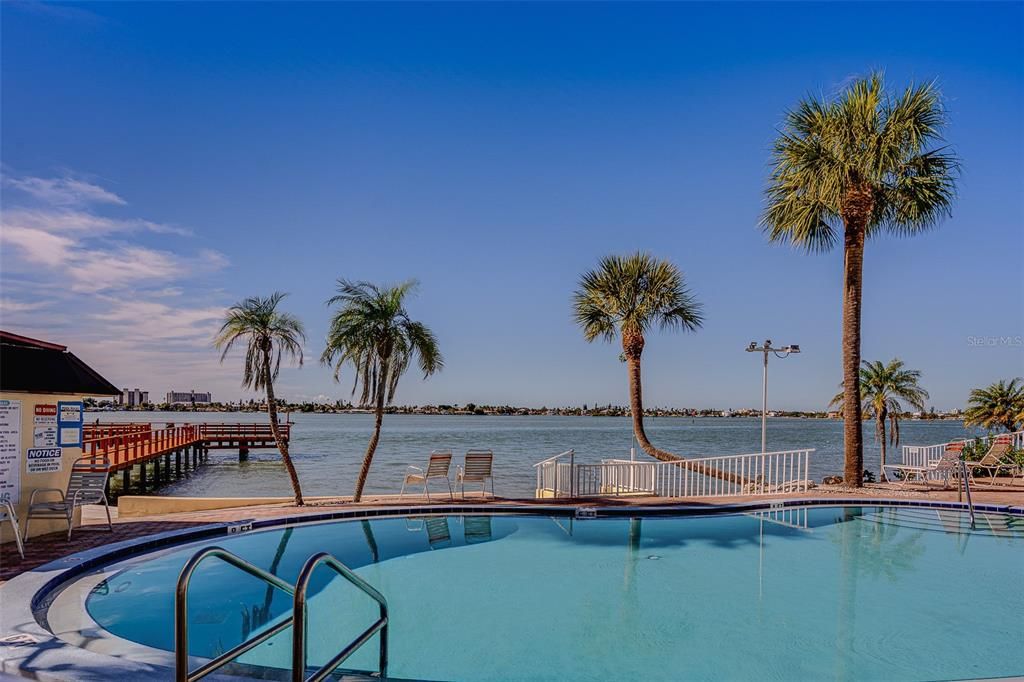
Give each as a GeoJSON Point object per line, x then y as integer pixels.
{"type": "Point", "coordinates": [862, 140]}
{"type": "Point", "coordinates": [268, 334]}
{"type": "Point", "coordinates": [371, 331]}
{"type": "Point", "coordinates": [632, 294]}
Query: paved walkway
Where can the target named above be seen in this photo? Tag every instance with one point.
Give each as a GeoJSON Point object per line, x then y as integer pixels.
{"type": "Point", "coordinates": [93, 533]}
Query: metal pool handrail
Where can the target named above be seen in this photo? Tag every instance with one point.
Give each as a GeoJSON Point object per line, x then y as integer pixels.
{"type": "Point", "coordinates": [965, 486]}
{"type": "Point", "coordinates": [299, 619]}
{"type": "Point", "coordinates": [181, 668]}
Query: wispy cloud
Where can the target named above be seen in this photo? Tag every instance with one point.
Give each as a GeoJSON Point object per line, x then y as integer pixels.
{"type": "Point", "coordinates": [50, 9]}
{"type": "Point", "coordinates": [66, 221]}
{"type": "Point", "coordinates": [156, 321]}
{"type": "Point", "coordinates": [77, 240]}
{"type": "Point", "coordinates": [37, 246]}
{"type": "Point", "coordinates": [141, 310]}
{"type": "Point", "coordinates": [64, 191]}
{"type": "Point", "coordinates": [9, 305]}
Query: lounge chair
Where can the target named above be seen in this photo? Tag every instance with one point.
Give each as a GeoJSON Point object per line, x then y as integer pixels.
{"type": "Point", "coordinates": [945, 465]}
{"type": "Point", "coordinates": [476, 529]}
{"type": "Point", "coordinates": [437, 467]}
{"type": "Point", "coordinates": [436, 527]}
{"type": "Point", "coordinates": [7, 513]}
{"type": "Point", "coordinates": [477, 469]}
{"type": "Point", "coordinates": [993, 460]}
{"type": "Point", "coordinates": [86, 485]}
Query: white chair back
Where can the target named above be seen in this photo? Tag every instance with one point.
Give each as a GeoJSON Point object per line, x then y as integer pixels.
{"type": "Point", "coordinates": [479, 464]}
{"type": "Point", "coordinates": [439, 464]}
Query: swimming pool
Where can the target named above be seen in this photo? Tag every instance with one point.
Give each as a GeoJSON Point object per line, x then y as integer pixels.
{"type": "Point", "coordinates": [800, 593]}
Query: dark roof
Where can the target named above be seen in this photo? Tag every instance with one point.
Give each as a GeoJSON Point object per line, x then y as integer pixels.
{"type": "Point", "coordinates": [40, 367]}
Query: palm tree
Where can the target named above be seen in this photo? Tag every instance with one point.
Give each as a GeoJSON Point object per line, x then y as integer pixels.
{"type": "Point", "coordinates": [851, 168]}
{"type": "Point", "coordinates": [883, 389]}
{"type": "Point", "coordinates": [627, 296]}
{"type": "Point", "coordinates": [268, 334]}
{"type": "Point", "coordinates": [1000, 404]}
{"type": "Point", "coordinates": [372, 331]}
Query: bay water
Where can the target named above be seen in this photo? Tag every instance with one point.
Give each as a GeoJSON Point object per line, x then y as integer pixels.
{"type": "Point", "coordinates": [328, 448]}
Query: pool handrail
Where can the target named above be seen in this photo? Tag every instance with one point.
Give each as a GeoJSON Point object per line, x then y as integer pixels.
{"type": "Point", "coordinates": [299, 612]}
{"type": "Point", "coordinates": [181, 667]}
{"type": "Point", "coordinates": [297, 618]}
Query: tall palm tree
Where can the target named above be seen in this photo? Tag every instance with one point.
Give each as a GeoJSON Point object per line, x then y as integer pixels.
{"type": "Point", "coordinates": [851, 168]}
{"type": "Point", "coordinates": [626, 296]}
{"type": "Point", "coordinates": [268, 333]}
{"type": "Point", "coordinates": [372, 331]}
{"type": "Point", "coordinates": [884, 388]}
{"type": "Point", "coordinates": [999, 404]}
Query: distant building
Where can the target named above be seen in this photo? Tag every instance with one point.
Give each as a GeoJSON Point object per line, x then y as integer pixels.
{"type": "Point", "coordinates": [188, 398]}
{"type": "Point", "coordinates": [134, 397]}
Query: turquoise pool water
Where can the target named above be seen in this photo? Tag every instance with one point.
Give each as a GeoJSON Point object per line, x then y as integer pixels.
{"type": "Point", "coordinates": [837, 593]}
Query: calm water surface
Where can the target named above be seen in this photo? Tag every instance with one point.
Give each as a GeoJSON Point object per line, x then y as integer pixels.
{"type": "Point", "coordinates": [329, 447]}
{"type": "Point", "coordinates": [852, 594]}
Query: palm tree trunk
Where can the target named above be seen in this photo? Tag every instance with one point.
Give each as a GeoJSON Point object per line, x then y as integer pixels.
{"type": "Point", "coordinates": [378, 414]}
{"type": "Point", "coordinates": [881, 416]}
{"type": "Point", "coordinates": [275, 428]}
{"type": "Point", "coordinates": [853, 272]}
{"type": "Point", "coordinates": [636, 406]}
{"type": "Point", "coordinates": [633, 346]}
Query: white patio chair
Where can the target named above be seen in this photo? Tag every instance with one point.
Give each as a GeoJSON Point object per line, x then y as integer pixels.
{"type": "Point", "coordinates": [7, 513]}
{"type": "Point", "coordinates": [86, 485]}
{"type": "Point", "coordinates": [477, 469]}
{"type": "Point", "coordinates": [437, 467]}
{"type": "Point", "coordinates": [946, 465]}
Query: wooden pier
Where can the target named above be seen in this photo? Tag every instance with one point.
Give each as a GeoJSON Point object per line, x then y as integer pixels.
{"type": "Point", "coordinates": [159, 454]}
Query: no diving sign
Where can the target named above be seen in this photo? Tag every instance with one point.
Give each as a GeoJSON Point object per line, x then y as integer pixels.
{"type": "Point", "coordinates": [42, 460]}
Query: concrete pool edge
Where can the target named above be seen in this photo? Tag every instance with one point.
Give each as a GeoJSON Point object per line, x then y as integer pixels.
{"type": "Point", "coordinates": [29, 648]}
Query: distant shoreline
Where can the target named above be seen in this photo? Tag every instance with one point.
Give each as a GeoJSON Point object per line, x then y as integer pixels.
{"type": "Point", "coordinates": [515, 412]}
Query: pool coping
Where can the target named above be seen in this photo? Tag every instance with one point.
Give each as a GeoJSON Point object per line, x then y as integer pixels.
{"type": "Point", "coordinates": [28, 648]}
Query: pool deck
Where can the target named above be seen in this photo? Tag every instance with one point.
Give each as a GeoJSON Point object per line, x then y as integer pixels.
{"type": "Point", "coordinates": [93, 533]}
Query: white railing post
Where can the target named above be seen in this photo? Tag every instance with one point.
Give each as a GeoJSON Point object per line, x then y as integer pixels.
{"type": "Point", "coordinates": [572, 473]}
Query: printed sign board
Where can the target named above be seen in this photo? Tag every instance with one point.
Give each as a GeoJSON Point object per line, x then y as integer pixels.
{"type": "Point", "coordinates": [10, 450]}
{"type": "Point", "coordinates": [42, 460]}
{"type": "Point", "coordinates": [70, 419]}
{"type": "Point", "coordinates": [44, 426]}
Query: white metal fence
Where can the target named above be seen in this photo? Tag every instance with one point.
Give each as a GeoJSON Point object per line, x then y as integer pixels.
{"type": "Point", "coordinates": [768, 473]}
{"type": "Point", "coordinates": [928, 455]}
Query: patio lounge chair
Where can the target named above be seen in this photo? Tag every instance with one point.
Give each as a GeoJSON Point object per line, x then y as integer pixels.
{"type": "Point", "coordinates": [436, 527]}
{"type": "Point", "coordinates": [993, 460]}
{"type": "Point", "coordinates": [945, 465]}
{"type": "Point", "coordinates": [86, 485]}
{"type": "Point", "coordinates": [437, 467]}
{"type": "Point", "coordinates": [477, 469]}
{"type": "Point", "coordinates": [7, 513]}
{"type": "Point", "coordinates": [476, 529]}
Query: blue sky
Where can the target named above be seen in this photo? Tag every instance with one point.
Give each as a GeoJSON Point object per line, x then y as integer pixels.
{"type": "Point", "coordinates": [161, 161]}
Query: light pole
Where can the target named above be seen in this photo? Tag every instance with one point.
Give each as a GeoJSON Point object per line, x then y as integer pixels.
{"type": "Point", "coordinates": [783, 352]}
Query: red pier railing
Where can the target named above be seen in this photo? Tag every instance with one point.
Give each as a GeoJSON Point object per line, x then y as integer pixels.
{"type": "Point", "coordinates": [127, 444]}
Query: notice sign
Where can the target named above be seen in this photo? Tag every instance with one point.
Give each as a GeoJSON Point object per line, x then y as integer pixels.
{"type": "Point", "coordinates": [42, 460]}
{"type": "Point", "coordinates": [10, 450]}
{"type": "Point", "coordinates": [69, 423]}
{"type": "Point", "coordinates": [44, 426]}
